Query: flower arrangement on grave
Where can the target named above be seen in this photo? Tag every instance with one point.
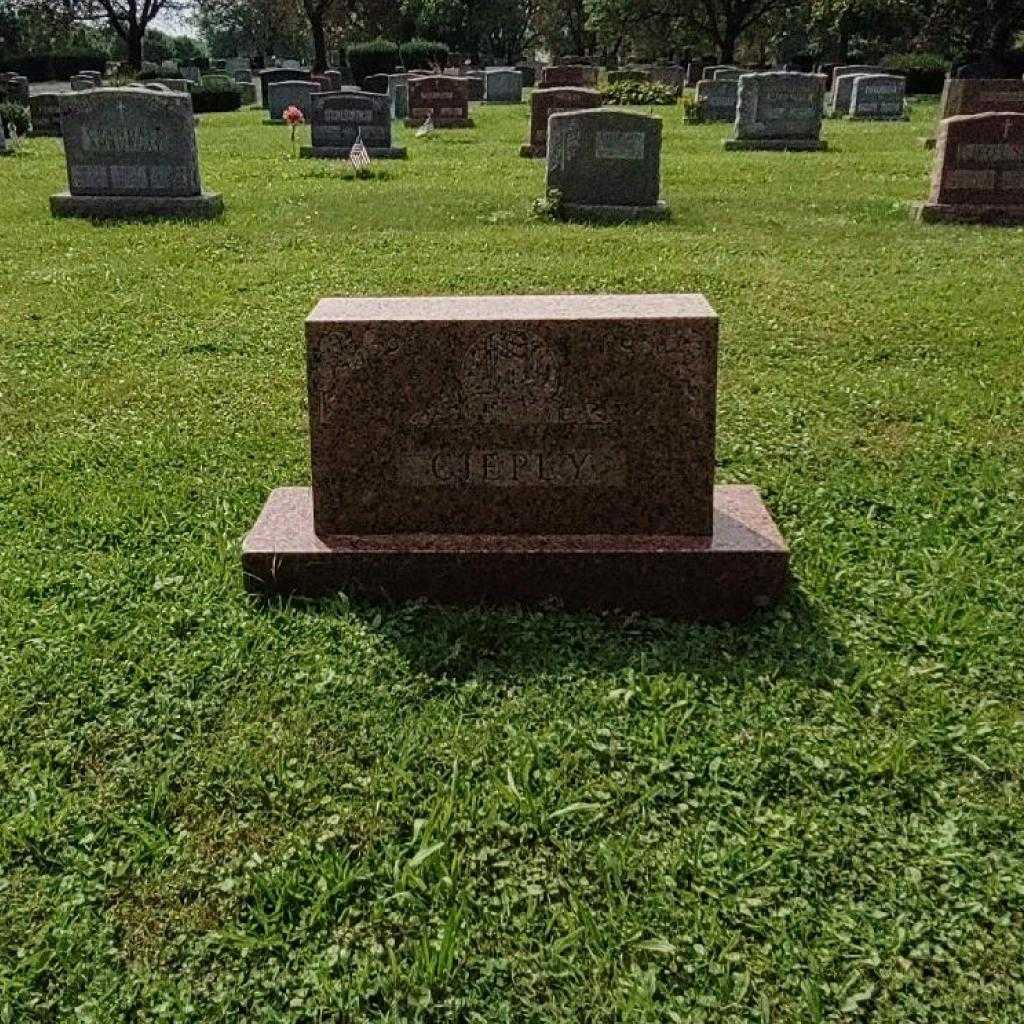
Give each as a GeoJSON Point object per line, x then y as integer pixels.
{"type": "Point", "coordinates": [293, 117]}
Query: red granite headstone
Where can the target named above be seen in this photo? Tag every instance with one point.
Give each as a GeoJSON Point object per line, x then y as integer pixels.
{"type": "Point", "coordinates": [979, 170]}
{"type": "Point", "coordinates": [514, 450]}
{"type": "Point", "coordinates": [571, 75]}
{"type": "Point", "coordinates": [544, 103]}
{"type": "Point", "coordinates": [442, 98]}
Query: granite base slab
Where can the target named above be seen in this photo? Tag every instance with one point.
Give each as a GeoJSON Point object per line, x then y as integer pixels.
{"type": "Point", "coordinates": [742, 567]}
{"type": "Point", "coordinates": [202, 207]}
{"type": "Point", "coordinates": [945, 213]}
{"type": "Point", "coordinates": [343, 153]}
{"type": "Point", "coordinates": [533, 152]}
{"type": "Point", "coordinates": [466, 123]}
{"type": "Point", "coordinates": [778, 145]}
{"type": "Point", "coordinates": [930, 143]}
{"type": "Point", "coordinates": [593, 214]}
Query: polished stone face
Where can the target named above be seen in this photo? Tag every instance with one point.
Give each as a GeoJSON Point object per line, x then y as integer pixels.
{"type": "Point", "coordinates": [517, 415]}
{"type": "Point", "coordinates": [982, 96]}
{"type": "Point", "coordinates": [605, 157]}
{"type": "Point", "coordinates": [130, 142]}
{"type": "Point", "coordinates": [979, 161]}
{"type": "Point", "coordinates": [269, 76]}
{"type": "Point", "coordinates": [503, 86]}
{"type": "Point", "coordinates": [45, 110]}
{"type": "Point", "coordinates": [779, 105]}
{"type": "Point", "coordinates": [878, 97]}
{"type": "Point", "coordinates": [443, 98]}
{"type": "Point", "coordinates": [338, 117]}
{"type": "Point", "coordinates": [545, 102]}
{"type": "Point", "coordinates": [842, 85]}
{"type": "Point", "coordinates": [718, 98]}
{"type": "Point", "coordinates": [282, 95]}
{"type": "Point", "coordinates": [573, 75]}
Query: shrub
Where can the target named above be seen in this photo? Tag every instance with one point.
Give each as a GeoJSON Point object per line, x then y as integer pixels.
{"type": "Point", "coordinates": [639, 94]}
{"type": "Point", "coordinates": [214, 97]}
{"type": "Point", "coordinates": [14, 115]}
{"type": "Point", "coordinates": [377, 57]}
{"type": "Point", "coordinates": [422, 53]}
{"type": "Point", "coordinates": [61, 64]}
{"type": "Point", "coordinates": [925, 72]}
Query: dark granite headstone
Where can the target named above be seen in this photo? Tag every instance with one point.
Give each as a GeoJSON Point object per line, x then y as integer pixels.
{"type": "Point", "coordinates": [878, 98]}
{"type": "Point", "coordinates": [518, 449]}
{"type": "Point", "coordinates": [131, 152]}
{"type": "Point", "coordinates": [268, 76]}
{"type": "Point", "coordinates": [337, 118]}
{"type": "Point", "coordinates": [716, 100]}
{"type": "Point", "coordinates": [576, 76]}
{"type": "Point", "coordinates": [376, 83]}
{"type": "Point", "coordinates": [442, 98]}
{"type": "Point", "coordinates": [398, 91]}
{"type": "Point", "coordinates": [14, 88]}
{"type": "Point", "coordinates": [544, 103]}
{"type": "Point", "coordinates": [724, 73]}
{"type": "Point", "coordinates": [605, 165]}
{"type": "Point", "coordinates": [842, 86]}
{"type": "Point", "coordinates": [779, 110]}
{"type": "Point", "coordinates": [529, 73]}
{"type": "Point", "coordinates": [282, 95]}
{"type": "Point", "coordinates": [982, 96]}
{"type": "Point", "coordinates": [979, 171]}
{"type": "Point", "coordinates": [475, 86]}
{"type": "Point", "coordinates": [980, 69]}
{"type": "Point", "coordinates": [503, 85]}
{"type": "Point", "coordinates": [44, 108]}
{"type": "Point", "coordinates": [694, 73]}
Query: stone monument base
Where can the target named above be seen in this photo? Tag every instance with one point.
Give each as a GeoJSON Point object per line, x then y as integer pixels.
{"type": "Point", "coordinates": [533, 152]}
{"type": "Point", "coordinates": [342, 152]}
{"type": "Point", "coordinates": [465, 123]}
{"type": "Point", "coordinates": [929, 143]}
{"type": "Point", "coordinates": [595, 214]}
{"type": "Point", "coordinates": [876, 117]}
{"type": "Point", "coordinates": [778, 145]}
{"type": "Point", "coordinates": [742, 567]}
{"type": "Point", "coordinates": [945, 213]}
{"type": "Point", "coordinates": [201, 207]}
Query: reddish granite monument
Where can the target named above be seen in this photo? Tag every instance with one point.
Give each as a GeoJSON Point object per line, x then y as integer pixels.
{"type": "Point", "coordinates": [544, 103]}
{"type": "Point", "coordinates": [519, 449]}
{"type": "Point", "coordinates": [442, 98]}
{"type": "Point", "coordinates": [979, 171]}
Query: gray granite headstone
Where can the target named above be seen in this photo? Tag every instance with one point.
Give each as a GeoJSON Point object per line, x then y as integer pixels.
{"type": "Point", "coordinates": [338, 118]}
{"type": "Point", "coordinates": [268, 76]}
{"type": "Point", "coordinates": [45, 110]}
{"type": "Point", "coordinates": [878, 98]}
{"type": "Point", "coordinates": [282, 95]}
{"type": "Point", "coordinates": [398, 90]}
{"type": "Point", "coordinates": [723, 72]}
{"type": "Point", "coordinates": [605, 164]}
{"type": "Point", "coordinates": [503, 85]}
{"type": "Point", "coordinates": [131, 152]}
{"type": "Point", "coordinates": [717, 99]}
{"type": "Point", "coordinates": [779, 110]}
{"type": "Point", "coordinates": [842, 85]}
{"type": "Point", "coordinates": [474, 85]}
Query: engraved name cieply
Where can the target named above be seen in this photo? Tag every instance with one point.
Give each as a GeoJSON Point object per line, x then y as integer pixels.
{"type": "Point", "coordinates": [427, 467]}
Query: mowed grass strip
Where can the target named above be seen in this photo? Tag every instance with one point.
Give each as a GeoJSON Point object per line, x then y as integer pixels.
{"type": "Point", "coordinates": [212, 810]}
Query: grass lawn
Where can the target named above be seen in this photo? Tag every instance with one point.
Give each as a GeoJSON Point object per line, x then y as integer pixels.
{"type": "Point", "coordinates": [211, 810]}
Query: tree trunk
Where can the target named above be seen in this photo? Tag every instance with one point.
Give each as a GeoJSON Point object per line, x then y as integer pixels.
{"type": "Point", "coordinates": [133, 43]}
{"type": "Point", "coordinates": [316, 24]}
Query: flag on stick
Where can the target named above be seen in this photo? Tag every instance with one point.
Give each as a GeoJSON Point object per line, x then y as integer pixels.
{"type": "Point", "coordinates": [358, 157]}
{"type": "Point", "coordinates": [427, 127]}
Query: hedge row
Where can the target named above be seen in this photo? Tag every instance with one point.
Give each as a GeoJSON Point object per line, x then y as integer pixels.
{"type": "Point", "coordinates": [382, 56]}
{"type": "Point", "coordinates": [53, 66]}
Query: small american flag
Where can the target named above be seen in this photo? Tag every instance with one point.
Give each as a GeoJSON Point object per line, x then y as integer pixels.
{"type": "Point", "coordinates": [358, 157]}
{"type": "Point", "coordinates": [427, 127]}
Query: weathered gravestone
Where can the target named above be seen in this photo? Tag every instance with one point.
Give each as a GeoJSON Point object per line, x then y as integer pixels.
{"type": "Point", "coordinates": [979, 96]}
{"type": "Point", "coordinates": [376, 83]}
{"type": "Point", "coordinates": [442, 98]}
{"type": "Point", "coordinates": [878, 98]}
{"type": "Point", "coordinates": [79, 83]}
{"type": "Point", "coordinates": [268, 76]}
{"type": "Point", "coordinates": [192, 73]}
{"type": "Point", "coordinates": [576, 76]}
{"type": "Point", "coordinates": [398, 92]}
{"type": "Point", "coordinates": [15, 89]}
{"type": "Point", "coordinates": [529, 73]}
{"type": "Point", "coordinates": [518, 450]}
{"type": "Point", "coordinates": [979, 171]}
{"type": "Point", "coordinates": [338, 118]}
{"type": "Point", "coordinates": [475, 86]}
{"type": "Point", "coordinates": [44, 108]}
{"type": "Point", "coordinates": [605, 165]}
{"type": "Point", "coordinates": [503, 85]}
{"type": "Point", "coordinates": [131, 153]}
{"type": "Point", "coordinates": [694, 73]}
{"type": "Point", "coordinates": [339, 77]}
{"type": "Point", "coordinates": [842, 86]}
{"type": "Point", "coordinates": [673, 76]}
{"type": "Point", "coordinates": [723, 74]}
{"type": "Point", "coordinates": [544, 103]}
{"type": "Point", "coordinates": [282, 95]}
{"type": "Point", "coordinates": [716, 100]}
{"type": "Point", "coordinates": [779, 110]}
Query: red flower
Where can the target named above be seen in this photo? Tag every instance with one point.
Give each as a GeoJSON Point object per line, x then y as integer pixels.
{"type": "Point", "coordinates": [293, 116]}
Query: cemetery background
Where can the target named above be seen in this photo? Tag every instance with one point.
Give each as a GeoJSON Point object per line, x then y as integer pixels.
{"type": "Point", "coordinates": [210, 807]}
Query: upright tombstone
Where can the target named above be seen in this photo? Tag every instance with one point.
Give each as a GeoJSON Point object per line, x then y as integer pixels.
{"type": "Point", "coordinates": [322, 82]}
{"type": "Point", "coordinates": [131, 153]}
{"type": "Point", "coordinates": [725, 73]}
{"type": "Point", "coordinates": [544, 103]}
{"type": "Point", "coordinates": [15, 89]}
{"type": "Point", "coordinates": [503, 85]}
{"type": "Point", "coordinates": [606, 165]}
{"type": "Point", "coordinates": [282, 95]}
{"type": "Point", "coordinates": [673, 76]}
{"type": "Point", "coordinates": [442, 98]}
{"type": "Point", "coordinates": [716, 100]}
{"type": "Point", "coordinates": [572, 76]}
{"type": "Point", "coordinates": [529, 73]}
{"type": "Point", "coordinates": [475, 86]}
{"type": "Point", "coordinates": [44, 108]}
{"type": "Point", "coordinates": [779, 110]}
{"type": "Point", "coordinates": [843, 77]}
{"type": "Point", "coordinates": [339, 118]}
{"type": "Point", "coordinates": [79, 83]}
{"type": "Point", "coordinates": [268, 76]}
{"type": "Point", "coordinates": [376, 83]}
{"type": "Point", "coordinates": [338, 78]}
{"type": "Point", "coordinates": [878, 98]}
{"type": "Point", "coordinates": [192, 72]}
{"type": "Point", "coordinates": [518, 449]}
{"type": "Point", "coordinates": [979, 96]}
{"type": "Point", "coordinates": [694, 73]}
{"type": "Point", "coordinates": [979, 171]}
